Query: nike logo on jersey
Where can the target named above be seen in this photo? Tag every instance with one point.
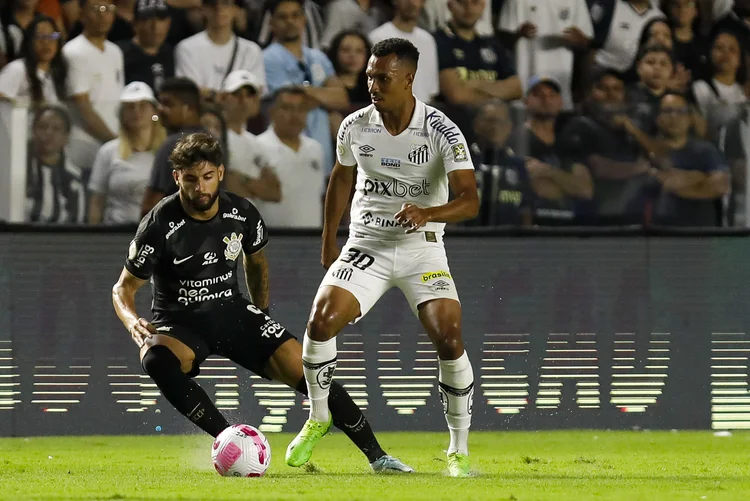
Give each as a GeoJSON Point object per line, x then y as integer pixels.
{"type": "Point", "coordinates": [180, 261]}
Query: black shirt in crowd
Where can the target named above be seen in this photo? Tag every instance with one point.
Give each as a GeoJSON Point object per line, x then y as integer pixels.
{"type": "Point", "coordinates": [670, 209]}
{"type": "Point", "coordinates": [482, 58]}
{"type": "Point", "coordinates": [643, 108]}
{"type": "Point", "coordinates": [192, 263]}
{"type": "Point", "coordinates": [142, 67]}
{"type": "Point", "coordinates": [506, 194]}
{"type": "Point", "coordinates": [161, 179]}
{"type": "Point", "coordinates": [619, 200]}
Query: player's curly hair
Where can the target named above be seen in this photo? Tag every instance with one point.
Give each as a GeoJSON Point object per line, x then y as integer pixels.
{"type": "Point", "coordinates": [194, 149]}
{"type": "Point", "coordinates": [403, 49]}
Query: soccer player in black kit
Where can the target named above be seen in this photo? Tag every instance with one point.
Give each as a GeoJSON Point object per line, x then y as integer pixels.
{"type": "Point", "coordinates": [188, 246]}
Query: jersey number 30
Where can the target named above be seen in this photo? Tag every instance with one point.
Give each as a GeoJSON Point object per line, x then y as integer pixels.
{"type": "Point", "coordinates": [358, 259]}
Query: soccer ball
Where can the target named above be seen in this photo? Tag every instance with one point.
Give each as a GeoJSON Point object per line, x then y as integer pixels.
{"type": "Point", "coordinates": [241, 451]}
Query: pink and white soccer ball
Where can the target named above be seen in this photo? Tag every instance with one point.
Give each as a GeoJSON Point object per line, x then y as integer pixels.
{"type": "Point", "coordinates": [241, 451]}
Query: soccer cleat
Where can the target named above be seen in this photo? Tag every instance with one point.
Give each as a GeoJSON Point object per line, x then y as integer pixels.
{"type": "Point", "coordinates": [390, 464]}
{"type": "Point", "coordinates": [301, 448]}
{"type": "Point", "coordinates": [458, 465]}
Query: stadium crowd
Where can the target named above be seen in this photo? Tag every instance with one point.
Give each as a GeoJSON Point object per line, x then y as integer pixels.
{"type": "Point", "coordinates": [578, 112]}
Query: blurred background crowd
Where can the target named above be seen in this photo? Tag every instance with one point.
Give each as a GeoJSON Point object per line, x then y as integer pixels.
{"type": "Point", "coordinates": [577, 112]}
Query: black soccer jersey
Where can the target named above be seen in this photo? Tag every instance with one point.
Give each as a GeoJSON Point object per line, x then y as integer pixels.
{"type": "Point", "coordinates": [193, 264]}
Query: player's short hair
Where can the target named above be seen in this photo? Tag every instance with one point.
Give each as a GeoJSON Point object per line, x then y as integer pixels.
{"type": "Point", "coordinates": [272, 5]}
{"type": "Point", "coordinates": [291, 90]}
{"type": "Point", "coordinates": [183, 89]}
{"type": "Point", "coordinates": [403, 49]}
{"type": "Point", "coordinates": [194, 149]}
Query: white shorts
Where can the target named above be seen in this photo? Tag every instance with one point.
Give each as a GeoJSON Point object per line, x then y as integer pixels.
{"type": "Point", "coordinates": [368, 268]}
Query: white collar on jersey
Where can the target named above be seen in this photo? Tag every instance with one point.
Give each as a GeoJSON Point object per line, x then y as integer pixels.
{"type": "Point", "coordinates": [417, 119]}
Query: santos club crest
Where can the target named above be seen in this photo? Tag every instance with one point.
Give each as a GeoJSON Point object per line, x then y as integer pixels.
{"type": "Point", "coordinates": [234, 246]}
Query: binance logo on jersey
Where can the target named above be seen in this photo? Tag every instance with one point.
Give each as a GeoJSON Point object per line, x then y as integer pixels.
{"type": "Point", "coordinates": [395, 188]}
{"type": "Point", "coordinates": [435, 274]}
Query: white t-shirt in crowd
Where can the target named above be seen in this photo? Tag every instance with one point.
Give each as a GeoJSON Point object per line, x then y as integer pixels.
{"type": "Point", "coordinates": [621, 45]}
{"type": "Point", "coordinates": [301, 176]}
{"type": "Point", "coordinates": [247, 154]}
{"type": "Point", "coordinates": [721, 106]}
{"type": "Point", "coordinates": [392, 170]}
{"type": "Point", "coordinates": [205, 63]}
{"type": "Point", "coordinates": [101, 75]}
{"type": "Point", "coordinates": [15, 84]}
{"type": "Point", "coordinates": [541, 55]}
{"type": "Point", "coordinates": [426, 82]}
{"type": "Point", "coordinates": [122, 182]}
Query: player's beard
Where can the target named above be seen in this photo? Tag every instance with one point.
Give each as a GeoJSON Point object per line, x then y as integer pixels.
{"type": "Point", "coordinates": [201, 204]}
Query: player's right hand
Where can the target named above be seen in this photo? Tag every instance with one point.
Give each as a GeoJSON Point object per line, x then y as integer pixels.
{"type": "Point", "coordinates": [329, 254]}
{"type": "Point", "coordinates": [142, 330]}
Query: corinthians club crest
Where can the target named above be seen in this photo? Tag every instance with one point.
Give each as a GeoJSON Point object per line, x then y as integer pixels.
{"type": "Point", "coordinates": [234, 246]}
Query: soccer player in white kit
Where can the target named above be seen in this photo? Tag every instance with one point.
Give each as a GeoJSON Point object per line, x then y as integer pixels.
{"type": "Point", "coordinates": [406, 155]}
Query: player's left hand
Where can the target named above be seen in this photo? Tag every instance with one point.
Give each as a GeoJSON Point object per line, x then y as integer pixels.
{"type": "Point", "coordinates": [412, 217]}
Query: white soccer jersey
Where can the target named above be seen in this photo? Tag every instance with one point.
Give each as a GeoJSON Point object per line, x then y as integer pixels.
{"type": "Point", "coordinates": [392, 170]}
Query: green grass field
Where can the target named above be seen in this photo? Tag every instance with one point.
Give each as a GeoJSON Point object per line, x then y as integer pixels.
{"type": "Point", "coordinates": [585, 465]}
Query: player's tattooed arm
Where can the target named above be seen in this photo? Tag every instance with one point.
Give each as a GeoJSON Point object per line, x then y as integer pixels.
{"type": "Point", "coordinates": [256, 278]}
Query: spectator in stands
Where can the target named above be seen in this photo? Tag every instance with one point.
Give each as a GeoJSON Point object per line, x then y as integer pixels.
{"type": "Point", "coordinates": [436, 15]}
{"type": "Point", "coordinates": [148, 58]}
{"type": "Point", "coordinates": [123, 166]}
{"type": "Point", "coordinates": [690, 47]}
{"type": "Point", "coordinates": [547, 35]}
{"type": "Point", "coordinates": [349, 53]}
{"type": "Point", "coordinates": [735, 145]}
{"type": "Point", "coordinates": [657, 33]}
{"type": "Point", "coordinates": [55, 190]}
{"type": "Point", "coordinates": [212, 120]}
{"type": "Point", "coordinates": [473, 68]}
{"type": "Point", "coordinates": [180, 113]}
{"type": "Point", "coordinates": [618, 167]}
{"type": "Point", "coordinates": [15, 17]}
{"type": "Point", "coordinates": [720, 96]}
{"type": "Point", "coordinates": [404, 25]}
{"type": "Point", "coordinates": [351, 15]}
{"type": "Point", "coordinates": [289, 62]}
{"type": "Point", "coordinates": [122, 25]}
{"type": "Point", "coordinates": [240, 102]}
{"type": "Point", "coordinates": [95, 81]}
{"type": "Point", "coordinates": [311, 33]}
{"type": "Point", "coordinates": [298, 161]}
{"type": "Point", "coordinates": [693, 175]}
{"type": "Point", "coordinates": [655, 69]}
{"type": "Point", "coordinates": [40, 75]}
{"type": "Point", "coordinates": [559, 183]}
{"type": "Point", "coordinates": [209, 56]}
{"type": "Point", "coordinates": [506, 194]}
{"type": "Point", "coordinates": [618, 25]}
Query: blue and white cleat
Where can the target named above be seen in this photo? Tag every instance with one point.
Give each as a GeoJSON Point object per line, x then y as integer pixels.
{"type": "Point", "coordinates": [390, 464]}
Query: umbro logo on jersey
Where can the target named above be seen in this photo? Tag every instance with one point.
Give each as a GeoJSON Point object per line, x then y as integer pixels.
{"type": "Point", "coordinates": [441, 285]}
{"type": "Point", "coordinates": [418, 154]}
{"type": "Point", "coordinates": [366, 150]}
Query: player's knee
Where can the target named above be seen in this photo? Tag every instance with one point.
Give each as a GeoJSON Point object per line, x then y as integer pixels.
{"type": "Point", "coordinates": [159, 360]}
{"type": "Point", "coordinates": [448, 342]}
{"type": "Point", "coordinates": [321, 326]}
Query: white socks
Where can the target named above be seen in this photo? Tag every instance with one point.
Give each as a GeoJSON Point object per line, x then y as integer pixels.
{"type": "Point", "coordinates": [318, 363]}
{"type": "Point", "coordinates": [456, 386]}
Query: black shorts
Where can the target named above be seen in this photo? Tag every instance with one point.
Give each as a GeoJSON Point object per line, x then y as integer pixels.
{"type": "Point", "coordinates": [236, 330]}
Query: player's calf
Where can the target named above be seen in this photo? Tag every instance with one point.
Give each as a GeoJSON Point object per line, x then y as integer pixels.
{"type": "Point", "coordinates": [183, 393]}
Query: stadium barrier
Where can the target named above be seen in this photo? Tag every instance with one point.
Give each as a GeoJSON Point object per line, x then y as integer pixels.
{"type": "Point", "coordinates": [566, 328]}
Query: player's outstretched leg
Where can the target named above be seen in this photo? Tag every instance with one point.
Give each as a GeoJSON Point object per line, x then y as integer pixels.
{"type": "Point", "coordinates": [441, 319]}
{"type": "Point", "coordinates": [349, 418]}
{"type": "Point", "coordinates": [183, 393]}
{"type": "Point", "coordinates": [333, 309]}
